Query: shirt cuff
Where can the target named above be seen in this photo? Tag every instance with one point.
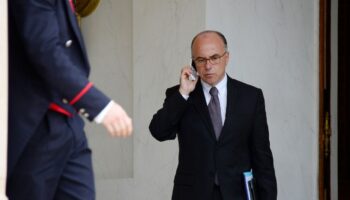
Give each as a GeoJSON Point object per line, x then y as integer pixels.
{"type": "Point", "coordinates": [99, 118]}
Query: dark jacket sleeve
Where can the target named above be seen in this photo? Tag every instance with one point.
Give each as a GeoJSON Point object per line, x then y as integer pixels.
{"type": "Point", "coordinates": [164, 124]}
{"type": "Point", "coordinates": [262, 160]}
{"type": "Point", "coordinates": [37, 24]}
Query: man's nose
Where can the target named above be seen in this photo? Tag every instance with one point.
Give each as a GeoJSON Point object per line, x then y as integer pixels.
{"type": "Point", "coordinates": [208, 65]}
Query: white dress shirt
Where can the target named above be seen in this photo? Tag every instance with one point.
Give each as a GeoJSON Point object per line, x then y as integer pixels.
{"type": "Point", "coordinates": [222, 88]}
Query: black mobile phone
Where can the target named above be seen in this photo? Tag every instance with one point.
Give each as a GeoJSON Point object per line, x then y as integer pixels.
{"type": "Point", "coordinates": [193, 65]}
{"type": "Point", "coordinates": [193, 76]}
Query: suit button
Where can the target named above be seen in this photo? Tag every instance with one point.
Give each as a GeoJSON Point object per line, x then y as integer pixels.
{"type": "Point", "coordinates": [81, 110]}
{"type": "Point", "coordinates": [69, 43]}
{"type": "Point", "coordinates": [86, 115]}
{"type": "Point", "coordinates": [65, 101]}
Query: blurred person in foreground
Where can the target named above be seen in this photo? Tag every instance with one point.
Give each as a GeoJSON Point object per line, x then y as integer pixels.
{"type": "Point", "coordinates": [49, 91]}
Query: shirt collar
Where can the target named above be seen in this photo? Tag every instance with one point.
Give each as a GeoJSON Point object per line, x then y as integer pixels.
{"type": "Point", "coordinates": [220, 86]}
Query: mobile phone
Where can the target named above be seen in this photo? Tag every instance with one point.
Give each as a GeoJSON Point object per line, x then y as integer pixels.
{"type": "Point", "coordinates": [194, 75]}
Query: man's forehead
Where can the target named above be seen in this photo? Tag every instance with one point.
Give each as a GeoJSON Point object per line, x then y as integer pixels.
{"type": "Point", "coordinates": [207, 36]}
{"type": "Point", "coordinates": [210, 39]}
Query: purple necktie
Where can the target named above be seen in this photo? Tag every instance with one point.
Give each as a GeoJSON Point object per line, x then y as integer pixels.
{"type": "Point", "coordinates": [215, 115]}
{"type": "Point", "coordinates": [215, 111]}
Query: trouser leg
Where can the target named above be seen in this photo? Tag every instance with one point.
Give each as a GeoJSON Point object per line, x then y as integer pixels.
{"type": "Point", "coordinates": [217, 193]}
{"type": "Point", "coordinates": [56, 163]}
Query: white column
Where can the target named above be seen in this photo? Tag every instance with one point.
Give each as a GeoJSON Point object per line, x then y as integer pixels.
{"type": "Point", "coordinates": [3, 98]}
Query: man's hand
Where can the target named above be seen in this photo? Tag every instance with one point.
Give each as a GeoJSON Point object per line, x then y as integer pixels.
{"type": "Point", "coordinates": [186, 85]}
{"type": "Point", "coordinates": [117, 122]}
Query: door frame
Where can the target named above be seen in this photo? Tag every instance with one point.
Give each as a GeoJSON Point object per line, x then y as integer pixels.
{"type": "Point", "coordinates": [3, 97]}
{"type": "Point", "coordinates": [324, 100]}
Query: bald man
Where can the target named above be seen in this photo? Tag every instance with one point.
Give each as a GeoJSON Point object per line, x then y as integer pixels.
{"type": "Point", "coordinates": [221, 128]}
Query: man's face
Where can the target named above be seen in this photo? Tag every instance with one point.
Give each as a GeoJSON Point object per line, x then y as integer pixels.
{"type": "Point", "coordinates": [210, 57]}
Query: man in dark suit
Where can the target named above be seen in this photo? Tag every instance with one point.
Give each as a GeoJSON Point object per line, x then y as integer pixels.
{"type": "Point", "coordinates": [221, 128]}
{"type": "Point", "coordinates": [48, 154]}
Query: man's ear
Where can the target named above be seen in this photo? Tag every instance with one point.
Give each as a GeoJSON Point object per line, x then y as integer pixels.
{"type": "Point", "coordinates": [227, 57]}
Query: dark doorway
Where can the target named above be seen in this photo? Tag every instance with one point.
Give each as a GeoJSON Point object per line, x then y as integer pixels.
{"type": "Point", "coordinates": [344, 100]}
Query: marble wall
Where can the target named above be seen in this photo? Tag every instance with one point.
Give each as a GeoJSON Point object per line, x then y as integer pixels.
{"type": "Point", "coordinates": [108, 36]}
{"type": "Point", "coordinates": [273, 45]}
{"type": "Point", "coordinates": [143, 45]}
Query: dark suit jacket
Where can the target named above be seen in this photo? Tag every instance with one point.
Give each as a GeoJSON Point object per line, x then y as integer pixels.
{"type": "Point", "coordinates": [47, 63]}
{"type": "Point", "coordinates": [243, 144]}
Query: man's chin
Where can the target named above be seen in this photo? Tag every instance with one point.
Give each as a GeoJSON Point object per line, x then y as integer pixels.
{"type": "Point", "coordinates": [210, 81]}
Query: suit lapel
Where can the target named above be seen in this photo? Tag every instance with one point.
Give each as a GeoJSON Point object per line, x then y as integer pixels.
{"type": "Point", "coordinates": [232, 98]}
{"type": "Point", "coordinates": [198, 100]}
